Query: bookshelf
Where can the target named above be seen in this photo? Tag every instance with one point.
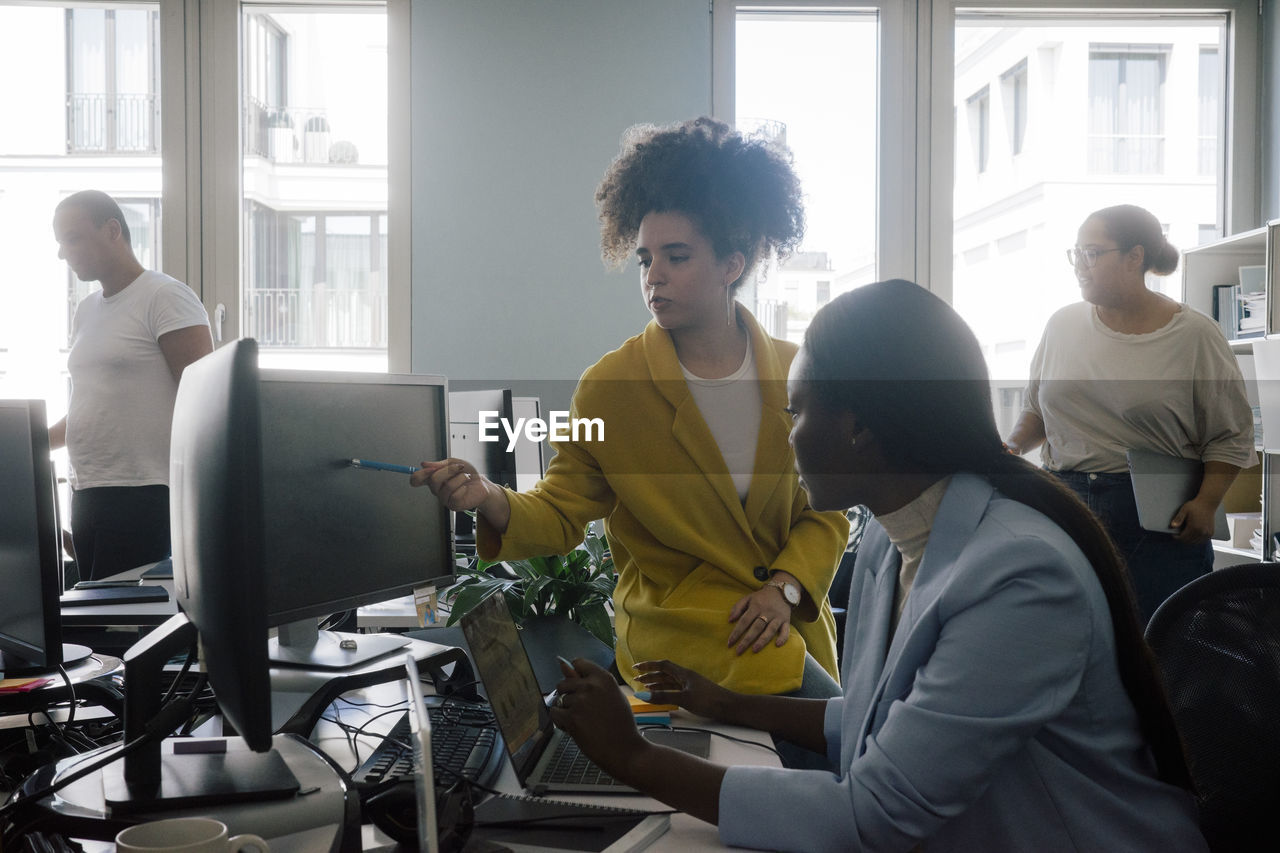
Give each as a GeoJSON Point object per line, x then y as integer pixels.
{"type": "Point", "coordinates": [1204, 269]}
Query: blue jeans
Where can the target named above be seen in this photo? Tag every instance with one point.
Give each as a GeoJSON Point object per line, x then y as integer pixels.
{"type": "Point", "coordinates": [1158, 564]}
{"type": "Point", "coordinates": [816, 683]}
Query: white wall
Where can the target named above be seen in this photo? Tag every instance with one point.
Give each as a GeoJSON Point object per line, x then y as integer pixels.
{"type": "Point", "coordinates": [517, 108]}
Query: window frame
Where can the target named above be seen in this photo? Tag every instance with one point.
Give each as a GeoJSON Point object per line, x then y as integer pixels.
{"type": "Point", "coordinates": [219, 174]}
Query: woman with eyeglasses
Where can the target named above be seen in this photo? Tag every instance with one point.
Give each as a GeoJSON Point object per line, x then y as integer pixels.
{"type": "Point", "coordinates": [1131, 369]}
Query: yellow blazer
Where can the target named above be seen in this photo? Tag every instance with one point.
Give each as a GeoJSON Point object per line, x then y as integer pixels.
{"type": "Point", "coordinates": [685, 547]}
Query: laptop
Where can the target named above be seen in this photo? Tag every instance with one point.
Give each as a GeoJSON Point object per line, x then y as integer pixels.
{"type": "Point", "coordinates": [424, 779]}
{"type": "Point", "coordinates": [1162, 484]}
{"type": "Point", "coordinates": [539, 751]}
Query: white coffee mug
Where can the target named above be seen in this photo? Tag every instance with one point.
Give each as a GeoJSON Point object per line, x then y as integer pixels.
{"type": "Point", "coordinates": [184, 835]}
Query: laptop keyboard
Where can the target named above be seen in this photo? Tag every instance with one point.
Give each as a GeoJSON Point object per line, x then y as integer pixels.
{"type": "Point", "coordinates": [464, 744]}
{"type": "Point", "coordinates": [569, 766]}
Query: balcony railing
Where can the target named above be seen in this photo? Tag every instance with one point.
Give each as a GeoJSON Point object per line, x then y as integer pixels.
{"type": "Point", "coordinates": [318, 317]}
{"type": "Point", "coordinates": [771, 314]}
{"type": "Point", "coordinates": [111, 123]}
{"type": "Point", "coordinates": [286, 134]}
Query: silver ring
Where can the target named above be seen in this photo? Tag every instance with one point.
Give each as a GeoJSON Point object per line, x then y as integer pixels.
{"type": "Point", "coordinates": [559, 703]}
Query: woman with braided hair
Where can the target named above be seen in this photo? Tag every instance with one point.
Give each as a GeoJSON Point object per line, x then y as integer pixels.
{"type": "Point", "coordinates": [998, 694]}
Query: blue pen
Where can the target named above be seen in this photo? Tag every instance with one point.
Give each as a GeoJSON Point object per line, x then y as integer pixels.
{"type": "Point", "coordinates": [383, 466]}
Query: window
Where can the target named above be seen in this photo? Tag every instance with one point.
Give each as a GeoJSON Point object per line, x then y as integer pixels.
{"type": "Point", "coordinates": [1209, 114]}
{"type": "Point", "coordinates": [265, 98]}
{"type": "Point", "coordinates": [112, 82]}
{"type": "Point", "coordinates": [1126, 109]}
{"type": "Point", "coordinates": [314, 178]}
{"type": "Point", "coordinates": [314, 279]}
{"type": "Point", "coordinates": [980, 128]}
{"type": "Point", "coordinates": [802, 76]}
{"type": "Point", "coordinates": [1014, 84]}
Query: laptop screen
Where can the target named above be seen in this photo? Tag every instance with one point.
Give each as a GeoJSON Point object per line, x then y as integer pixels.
{"type": "Point", "coordinates": [512, 689]}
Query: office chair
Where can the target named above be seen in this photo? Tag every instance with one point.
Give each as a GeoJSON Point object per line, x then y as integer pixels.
{"type": "Point", "coordinates": [1217, 641]}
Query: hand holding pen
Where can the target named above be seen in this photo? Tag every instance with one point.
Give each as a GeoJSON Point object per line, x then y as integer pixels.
{"type": "Point", "coordinates": [370, 465]}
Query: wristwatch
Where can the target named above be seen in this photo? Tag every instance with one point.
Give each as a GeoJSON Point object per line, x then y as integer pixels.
{"type": "Point", "coordinates": [789, 591]}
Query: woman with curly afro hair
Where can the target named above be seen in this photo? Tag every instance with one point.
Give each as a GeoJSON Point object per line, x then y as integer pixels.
{"type": "Point", "coordinates": [722, 564]}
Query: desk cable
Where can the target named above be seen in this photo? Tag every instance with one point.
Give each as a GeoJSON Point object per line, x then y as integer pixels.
{"type": "Point", "coordinates": [165, 721]}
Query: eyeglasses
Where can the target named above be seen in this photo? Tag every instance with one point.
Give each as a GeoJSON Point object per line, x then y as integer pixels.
{"type": "Point", "coordinates": [1088, 256]}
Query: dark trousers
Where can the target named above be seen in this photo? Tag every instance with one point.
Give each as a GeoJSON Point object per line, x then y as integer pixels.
{"type": "Point", "coordinates": [115, 528]}
{"type": "Point", "coordinates": [1158, 564]}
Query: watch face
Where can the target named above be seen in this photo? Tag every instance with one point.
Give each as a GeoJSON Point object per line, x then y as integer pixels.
{"type": "Point", "coordinates": [791, 593]}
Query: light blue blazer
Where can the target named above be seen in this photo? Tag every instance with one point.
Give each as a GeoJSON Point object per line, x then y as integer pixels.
{"type": "Point", "coordinates": [995, 720]}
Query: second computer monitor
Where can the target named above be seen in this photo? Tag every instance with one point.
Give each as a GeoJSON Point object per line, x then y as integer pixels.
{"type": "Point", "coordinates": [337, 537]}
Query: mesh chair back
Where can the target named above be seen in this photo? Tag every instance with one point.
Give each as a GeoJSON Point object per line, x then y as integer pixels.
{"type": "Point", "coordinates": [1218, 643]}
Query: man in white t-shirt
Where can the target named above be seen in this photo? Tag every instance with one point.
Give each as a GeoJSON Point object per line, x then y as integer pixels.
{"type": "Point", "coordinates": [130, 342]}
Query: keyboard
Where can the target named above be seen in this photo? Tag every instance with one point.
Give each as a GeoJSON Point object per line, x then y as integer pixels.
{"type": "Point", "coordinates": [465, 743]}
{"type": "Point", "coordinates": [569, 766]}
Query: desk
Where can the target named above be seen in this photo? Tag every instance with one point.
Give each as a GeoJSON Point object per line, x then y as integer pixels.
{"type": "Point", "coordinates": [687, 833]}
{"type": "Point", "coordinates": [146, 614]}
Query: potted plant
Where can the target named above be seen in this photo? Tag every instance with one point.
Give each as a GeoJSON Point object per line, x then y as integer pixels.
{"type": "Point", "coordinates": [576, 586]}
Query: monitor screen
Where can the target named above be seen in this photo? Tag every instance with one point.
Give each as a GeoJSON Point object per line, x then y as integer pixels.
{"type": "Point", "coordinates": [337, 537]}
{"type": "Point", "coordinates": [30, 550]}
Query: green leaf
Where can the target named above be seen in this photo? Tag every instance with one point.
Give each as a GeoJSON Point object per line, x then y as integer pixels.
{"type": "Point", "coordinates": [604, 586]}
{"type": "Point", "coordinates": [526, 569]}
{"type": "Point", "coordinates": [469, 595]}
{"type": "Point", "coordinates": [596, 547]}
{"type": "Point", "coordinates": [531, 594]}
{"type": "Point", "coordinates": [596, 620]}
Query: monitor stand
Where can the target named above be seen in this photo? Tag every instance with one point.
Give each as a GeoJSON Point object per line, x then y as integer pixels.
{"type": "Point", "coordinates": [14, 666]}
{"type": "Point", "coordinates": [324, 804]}
{"type": "Point", "coordinates": [302, 644]}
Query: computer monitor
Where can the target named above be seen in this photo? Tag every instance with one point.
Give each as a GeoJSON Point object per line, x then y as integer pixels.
{"type": "Point", "coordinates": [30, 546]}
{"type": "Point", "coordinates": [530, 461]}
{"type": "Point", "coordinates": [216, 518]}
{"type": "Point", "coordinates": [219, 561]}
{"type": "Point", "coordinates": [493, 459]}
{"type": "Point", "coordinates": [337, 537]}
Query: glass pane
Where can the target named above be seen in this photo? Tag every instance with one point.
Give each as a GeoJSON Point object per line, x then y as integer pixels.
{"type": "Point", "coordinates": [1097, 119]}
{"type": "Point", "coordinates": [315, 185]}
{"type": "Point", "coordinates": [73, 63]}
{"type": "Point", "coordinates": [810, 78]}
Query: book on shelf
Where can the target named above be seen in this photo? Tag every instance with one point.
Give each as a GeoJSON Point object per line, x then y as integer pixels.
{"type": "Point", "coordinates": [1239, 314]}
